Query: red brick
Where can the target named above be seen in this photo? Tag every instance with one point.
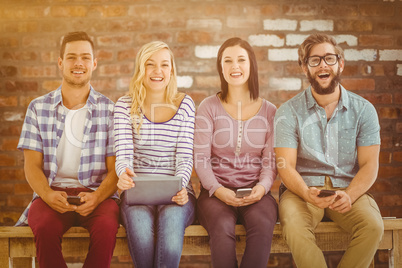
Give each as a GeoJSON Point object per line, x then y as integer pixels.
{"type": "Point", "coordinates": [115, 40]}
{"type": "Point", "coordinates": [207, 81]}
{"type": "Point", "coordinates": [50, 85]}
{"type": "Point", "coordinates": [389, 112]}
{"type": "Point", "coordinates": [300, 10]}
{"type": "Point", "coordinates": [10, 130]}
{"type": "Point", "coordinates": [38, 71]}
{"type": "Point", "coordinates": [398, 127]}
{"type": "Point", "coordinates": [389, 172]}
{"type": "Point", "coordinates": [22, 12]}
{"type": "Point", "coordinates": [126, 25]}
{"type": "Point", "coordinates": [270, 9]}
{"type": "Point", "coordinates": [385, 157]}
{"type": "Point", "coordinates": [110, 10]}
{"type": "Point", "coordinates": [8, 174]}
{"type": "Point", "coordinates": [398, 98]}
{"type": "Point", "coordinates": [350, 70]}
{"type": "Point", "coordinates": [382, 10]}
{"type": "Point", "coordinates": [9, 144]}
{"type": "Point", "coordinates": [50, 56]}
{"type": "Point", "coordinates": [8, 101]}
{"type": "Point", "coordinates": [18, 200]}
{"type": "Point", "coordinates": [392, 200]}
{"type": "Point", "coordinates": [128, 54]}
{"type": "Point", "coordinates": [68, 11]}
{"type": "Point", "coordinates": [105, 84]}
{"type": "Point", "coordinates": [397, 156]}
{"type": "Point", "coordinates": [382, 186]}
{"type": "Point", "coordinates": [375, 98]}
{"type": "Point", "coordinates": [8, 71]}
{"type": "Point", "coordinates": [39, 42]}
{"type": "Point", "coordinates": [345, 10]}
{"type": "Point", "coordinates": [6, 188]}
{"type": "Point", "coordinates": [353, 25]}
{"type": "Point", "coordinates": [376, 40]}
{"type": "Point", "coordinates": [20, 55]}
{"type": "Point", "coordinates": [22, 189]}
{"type": "Point", "coordinates": [104, 55]}
{"type": "Point", "coordinates": [194, 37]}
{"type": "Point", "coordinates": [182, 52]}
{"type": "Point", "coordinates": [8, 42]}
{"type": "Point", "coordinates": [116, 69]}
{"type": "Point", "coordinates": [7, 160]}
{"type": "Point", "coordinates": [389, 26]}
{"type": "Point", "coordinates": [358, 84]}
{"type": "Point", "coordinates": [21, 27]}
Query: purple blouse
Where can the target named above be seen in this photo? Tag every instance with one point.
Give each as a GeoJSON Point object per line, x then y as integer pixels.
{"type": "Point", "coordinates": [234, 153]}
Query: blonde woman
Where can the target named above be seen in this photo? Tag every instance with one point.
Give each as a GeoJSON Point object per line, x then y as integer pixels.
{"type": "Point", "coordinates": [154, 131]}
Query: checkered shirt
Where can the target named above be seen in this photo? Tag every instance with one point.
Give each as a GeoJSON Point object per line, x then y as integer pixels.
{"type": "Point", "coordinates": [43, 128]}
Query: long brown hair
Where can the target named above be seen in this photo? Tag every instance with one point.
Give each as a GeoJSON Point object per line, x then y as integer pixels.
{"type": "Point", "coordinates": [253, 85]}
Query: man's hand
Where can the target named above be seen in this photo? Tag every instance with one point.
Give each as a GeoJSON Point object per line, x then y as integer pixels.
{"type": "Point", "coordinates": [125, 180]}
{"type": "Point", "coordinates": [256, 194]}
{"type": "Point", "coordinates": [57, 200]}
{"type": "Point", "coordinates": [343, 202]}
{"type": "Point", "coordinates": [90, 201]}
{"type": "Point", "coordinates": [321, 202]}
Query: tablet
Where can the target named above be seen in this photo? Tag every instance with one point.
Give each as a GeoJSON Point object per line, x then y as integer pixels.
{"type": "Point", "coordinates": [153, 190]}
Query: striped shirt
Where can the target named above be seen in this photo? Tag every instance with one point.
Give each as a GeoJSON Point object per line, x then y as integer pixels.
{"type": "Point", "coordinates": [164, 148]}
{"type": "Point", "coordinates": [43, 128]}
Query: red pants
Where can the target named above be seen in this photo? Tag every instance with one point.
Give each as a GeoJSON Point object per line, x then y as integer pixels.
{"type": "Point", "coordinates": [48, 227]}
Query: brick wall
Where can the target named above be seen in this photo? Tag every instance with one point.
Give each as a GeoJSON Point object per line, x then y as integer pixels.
{"type": "Point", "coordinates": [370, 31]}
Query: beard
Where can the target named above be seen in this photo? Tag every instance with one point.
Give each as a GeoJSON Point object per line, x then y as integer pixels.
{"type": "Point", "coordinates": [325, 90]}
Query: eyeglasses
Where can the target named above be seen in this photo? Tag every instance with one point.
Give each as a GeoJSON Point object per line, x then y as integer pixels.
{"type": "Point", "coordinates": [330, 59]}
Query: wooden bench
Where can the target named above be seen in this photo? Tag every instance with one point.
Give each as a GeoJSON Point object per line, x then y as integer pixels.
{"type": "Point", "coordinates": [17, 246]}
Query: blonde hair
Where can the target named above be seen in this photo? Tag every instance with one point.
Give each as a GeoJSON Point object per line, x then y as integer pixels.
{"type": "Point", "coordinates": [137, 90]}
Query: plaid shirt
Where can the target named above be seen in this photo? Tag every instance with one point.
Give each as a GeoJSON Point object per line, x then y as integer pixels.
{"type": "Point", "coordinates": [43, 128]}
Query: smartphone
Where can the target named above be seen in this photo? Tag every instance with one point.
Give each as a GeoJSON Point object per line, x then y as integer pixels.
{"type": "Point", "coordinates": [243, 192]}
{"type": "Point", "coordinates": [325, 193]}
{"type": "Point", "coordinates": [74, 200]}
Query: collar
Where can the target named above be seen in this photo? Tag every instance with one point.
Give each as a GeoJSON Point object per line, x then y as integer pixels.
{"type": "Point", "coordinates": [58, 99]}
{"type": "Point", "coordinates": [343, 101]}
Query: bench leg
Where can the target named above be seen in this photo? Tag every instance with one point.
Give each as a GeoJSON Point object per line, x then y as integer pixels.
{"type": "Point", "coordinates": [4, 252]}
{"type": "Point", "coordinates": [395, 259]}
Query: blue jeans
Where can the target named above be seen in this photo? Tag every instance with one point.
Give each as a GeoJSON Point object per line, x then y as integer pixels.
{"type": "Point", "coordinates": [155, 233]}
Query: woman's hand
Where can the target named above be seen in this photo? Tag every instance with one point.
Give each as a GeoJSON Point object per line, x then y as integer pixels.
{"type": "Point", "coordinates": [228, 197]}
{"type": "Point", "coordinates": [181, 198]}
{"type": "Point", "coordinates": [256, 194]}
{"type": "Point", "coordinates": [125, 180]}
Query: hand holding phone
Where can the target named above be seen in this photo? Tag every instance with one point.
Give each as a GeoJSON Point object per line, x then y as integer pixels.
{"type": "Point", "coordinates": [325, 193]}
{"type": "Point", "coordinates": [74, 200]}
{"type": "Point", "coordinates": [242, 192]}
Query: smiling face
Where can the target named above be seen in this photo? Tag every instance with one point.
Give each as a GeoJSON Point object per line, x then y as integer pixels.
{"type": "Point", "coordinates": [158, 69]}
{"type": "Point", "coordinates": [77, 63]}
{"type": "Point", "coordinates": [235, 66]}
{"type": "Point", "coordinates": [324, 78]}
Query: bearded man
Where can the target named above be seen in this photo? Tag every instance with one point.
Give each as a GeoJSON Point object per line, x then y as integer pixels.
{"type": "Point", "coordinates": [327, 143]}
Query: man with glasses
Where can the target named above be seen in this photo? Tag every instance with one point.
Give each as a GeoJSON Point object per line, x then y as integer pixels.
{"type": "Point", "coordinates": [327, 143]}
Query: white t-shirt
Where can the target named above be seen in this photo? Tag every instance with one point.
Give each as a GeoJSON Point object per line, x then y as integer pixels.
{"type": "Point", "coordinates": [68, 152]}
